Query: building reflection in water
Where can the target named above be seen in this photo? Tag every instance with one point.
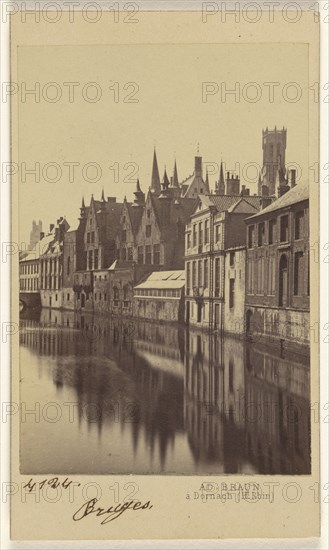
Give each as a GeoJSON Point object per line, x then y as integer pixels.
{"type": "Point", "coordinates": [205, 405]}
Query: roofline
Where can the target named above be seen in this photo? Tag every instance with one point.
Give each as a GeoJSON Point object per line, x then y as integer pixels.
{"type": "Point", "coordinates": [264, 212]}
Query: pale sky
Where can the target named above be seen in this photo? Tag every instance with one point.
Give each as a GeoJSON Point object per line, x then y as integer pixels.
{"type": "Point", "coordinates": [169, 113]}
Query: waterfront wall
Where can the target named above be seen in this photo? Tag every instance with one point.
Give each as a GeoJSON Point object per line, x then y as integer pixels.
{"type": "Point", "coordinates": [276, 324]}
{"type": "Point", "coordinates": [157, 309]}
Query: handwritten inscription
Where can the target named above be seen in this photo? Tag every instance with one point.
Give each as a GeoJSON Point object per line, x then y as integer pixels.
{"type": "Point", "coordinates": [111, 513]}
{"type": "Point", "coordinates": [53, 482]}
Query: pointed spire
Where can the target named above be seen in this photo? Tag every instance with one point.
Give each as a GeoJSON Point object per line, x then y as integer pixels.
{"type": "Point", "coordinates": [83, 202]}
{"type": "Point", "coordinates": [207, 182]}
{"type": "Point", "coordinates": [165, 181]}
{"type": "Point", "coordinates": [139, 195]}
{"type": "Point", "coordinates": [207, 177]}
{"type": "Point", "coordinates": [155, 181]}
{"type": "Point", "coordinates": [175, 176]}
{"type": "Point", "coordinates": [103, 197]}
{"type": "Point", "coordinates": [221, 174]}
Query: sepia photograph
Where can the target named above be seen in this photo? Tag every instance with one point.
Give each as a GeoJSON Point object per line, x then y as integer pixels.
{"type": "Point", "coordinates": [164, 308]}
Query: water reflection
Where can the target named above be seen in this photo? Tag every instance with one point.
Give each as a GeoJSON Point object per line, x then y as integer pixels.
{"type": "Point", "coordinates": [120, 396]}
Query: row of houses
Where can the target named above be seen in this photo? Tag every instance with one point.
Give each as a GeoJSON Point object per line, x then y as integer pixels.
{"type": "Point", "coordinates": [225, 260]}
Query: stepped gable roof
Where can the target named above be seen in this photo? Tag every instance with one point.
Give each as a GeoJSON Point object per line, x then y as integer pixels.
{"type": "Point", "coordinates": [297, 194]}
{"type": "Point", "coordinates": [113, 211]}
{"type": "Point", "coordinates": [135, 215]}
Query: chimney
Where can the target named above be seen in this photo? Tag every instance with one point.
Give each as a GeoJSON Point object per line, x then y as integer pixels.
{"type": "Point", "coordinates": [265, 191]}
{"type": "Point", "coordinates": [232, 185]}
{"type": "Point", "coordinates": [111, 199]}
{"type": "Point", "coordinates": [293, 178]}
{"type": "Point", "coordinates": [265, 201]}
{"type": "Point", "coordinates": [282, 190]}
{"type": "Point", "coordinates": [198, 167]}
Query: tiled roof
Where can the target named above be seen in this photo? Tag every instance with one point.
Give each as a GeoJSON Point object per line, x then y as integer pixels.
{"type": "Point", "coordinates": [228, 202]}
{"type": "Point", "coordinates": [297, 194]}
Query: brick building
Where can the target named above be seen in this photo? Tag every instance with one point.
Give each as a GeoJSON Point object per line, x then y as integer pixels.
{"type": "Point", "coordinates": [277, 278]}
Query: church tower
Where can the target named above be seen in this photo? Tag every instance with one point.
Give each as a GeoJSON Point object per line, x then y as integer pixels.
{"type": "Point", "coordinates": [274, 156]}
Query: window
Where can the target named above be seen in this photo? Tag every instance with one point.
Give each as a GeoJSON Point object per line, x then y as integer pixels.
{"type": "Point", "coordinates": [251, 234]}
{"type": "Point", "coordinates": [95, 296]}
{"type": "Point", "coordinates": [96, 259]}
{"type": "Point", "coordinates": [217, 276]}
{"type": "Point", "coordinates": [298, 291]}
{"type": "Point", "coordinates": [123, 219]}
{"type": "Point", "coordinates": [232, 258]}
{"type": "Point", "coordinates": [200, 272]}
{"type": "Point", "coordinates": [206, 231]}
{"type": "Point", "coordinates": [124, 254]}
{"type": "Point", "coordinates": [260, 276]}
{"type": "Point", "coordinates": [261, 233]}
{"type": "Point", "coordinates": [232, 285]}
{"type": "Point", "coordinates": [156, 254]}
{"type": "Point", "coordinates": [125, 296]}
{"type": "Point", "coordinates": [231, 376]}
{"type": "Point", "coordinates": [188, 240]}
{"type": "Point", "coordinates": [92, 237]}
{"type": "Point", "coordinates": [140, 254]}
{"type": "Point", "coordinates": [271, 231]}
{"type": "Point", "coordinates": [115, 296]}
{"type": "Point", "coordinates": [148, 213]}
{"type": "Point", "coordinates": [188, 275]}
{"type": "Point", "coordinates": [217, 233]}
{"type": "Point", "coordinates": [56, 297]}
{"type": "Point", "coordinates": [194, 274]}
{"type": "Point", "coordinates": [68, 266]}
{"type": "Point", "coordinates": [148, 255]}
{"type": "Point", "coordinates": [130, 253]}
{"type": "Point", "coordinates": [124, 235]}
{"type": "Point", "coordinates": [205, 275]}
{"type": "Point", "coordinates": [299, 225]}
{"type": "Point", "coordinates": [67, 297]}
{"type": "Point", "coordinates": [194, 235]}
{"type": "Point", "coordinates": [200, 234]}
{"type": "Point", "coordinates": [283, 229]}
{"type": "Point", "coordinates": [271, 275]}
{"type": "Point", "coordinates": [148, 230]}
{"type": "Point", "coordinates": [90, 259]}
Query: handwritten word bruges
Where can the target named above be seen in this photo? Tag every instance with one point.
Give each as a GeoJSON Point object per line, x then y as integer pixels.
{"type": "Point", "coordinates": [54, 483]}
{"type": "Point", "coordinates": [111, 513]}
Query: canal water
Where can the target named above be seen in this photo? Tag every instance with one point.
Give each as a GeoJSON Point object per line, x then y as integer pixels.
{"type": "Point", "coordinates": [101, 396]}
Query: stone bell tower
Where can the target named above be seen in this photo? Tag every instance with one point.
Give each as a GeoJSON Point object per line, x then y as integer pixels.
{"type": "Point", "coordinates": [274, 156]}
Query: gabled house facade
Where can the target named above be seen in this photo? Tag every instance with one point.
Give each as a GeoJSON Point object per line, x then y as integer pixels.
{"type": "Point", "coordinates": [216, 230]}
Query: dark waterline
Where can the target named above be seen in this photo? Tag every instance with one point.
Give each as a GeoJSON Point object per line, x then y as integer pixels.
{"type": "Point", "coordinates": [120, 396]}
